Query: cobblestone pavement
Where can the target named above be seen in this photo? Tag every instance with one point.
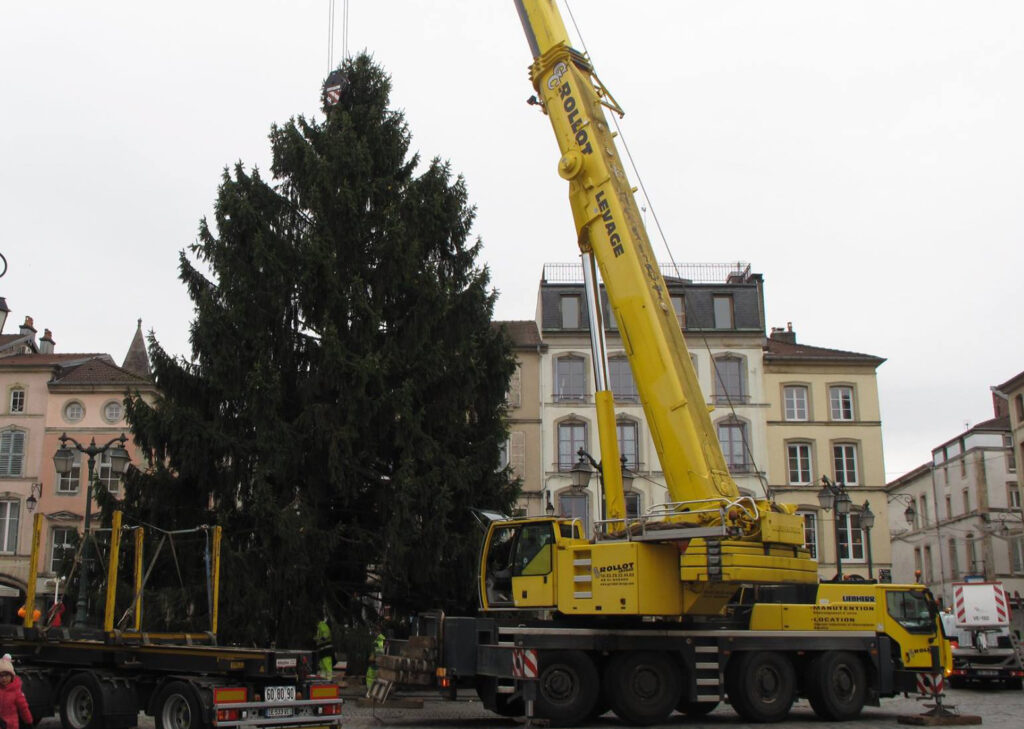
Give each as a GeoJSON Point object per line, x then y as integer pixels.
{"type": "Point", "coordinates": [998, 709]}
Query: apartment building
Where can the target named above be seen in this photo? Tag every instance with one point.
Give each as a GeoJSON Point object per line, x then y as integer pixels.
{"type": "Point", "coordinates": [962, 514]}
{"type": "Point", "coordinates": [47, 394]}
{"type": "Point", "coordinates": [720, 308]}
{"type": "Point", "coordinates": [523, 447]}
{"type": "Point", "coordinates": [823, 419]}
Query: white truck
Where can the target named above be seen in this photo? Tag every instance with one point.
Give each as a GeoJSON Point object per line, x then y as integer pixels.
{"type": "Point", "coordinates": [985, 650]}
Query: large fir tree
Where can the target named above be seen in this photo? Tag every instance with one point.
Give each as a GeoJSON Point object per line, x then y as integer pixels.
{"type": "Point", "coordinates": [343, 408]}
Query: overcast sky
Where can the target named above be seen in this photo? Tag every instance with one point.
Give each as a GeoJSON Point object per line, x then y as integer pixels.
{"type": "Point", "coordinates": [866, 157]}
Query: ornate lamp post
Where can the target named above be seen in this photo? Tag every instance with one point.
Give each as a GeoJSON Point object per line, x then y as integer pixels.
{"type": "Point", "coordinates": [584, 469]}
{"type": "Point", "coordinates": [834, 495]}
{"type": "Point", "coordinates": [867, 520]}
{"type": "Point", "coordinates": [64, 460]}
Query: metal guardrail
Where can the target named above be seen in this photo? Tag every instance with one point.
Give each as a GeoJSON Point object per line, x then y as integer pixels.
{"type": "Point", "coordinates": [701, 273]}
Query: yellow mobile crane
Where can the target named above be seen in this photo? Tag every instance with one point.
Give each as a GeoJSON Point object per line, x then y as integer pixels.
{"type": "Point", "coordinates": [689, 556]}
{"type": "Point", "coordinates": [713, 596]}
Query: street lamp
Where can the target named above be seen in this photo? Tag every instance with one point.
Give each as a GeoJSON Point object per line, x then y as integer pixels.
{"type": "Point", "coordinates": [63, 460]}
{"type": "Point", "coordinates": [35, 491]}
{"type": "Point", "coordinates": [584, 469]}
{"type": "Point", "coordinates": [834, 495]}
{"type": "Point", "coordinates": [910, 513]}
{"type": "Point", "coordinates": [867, 520]}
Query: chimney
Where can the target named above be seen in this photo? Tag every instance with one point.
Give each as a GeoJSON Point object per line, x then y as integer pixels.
{"type": "Point", "coordinates": [786, 335]}
{"type": "Point", "coordinates": [46, 343]}
{"type": "Point", "coordinates": [27, 330]}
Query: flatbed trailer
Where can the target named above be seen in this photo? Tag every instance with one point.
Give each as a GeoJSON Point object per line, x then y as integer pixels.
{"type": "Point", "coordinates": [102, 678]}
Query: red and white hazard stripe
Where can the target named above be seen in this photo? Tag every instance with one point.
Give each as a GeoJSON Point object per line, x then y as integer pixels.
{"type": "Point", "coordinates": [931, 684]}
{"type": "Point", "coordinates": [1002, 610]}
{"type": "Point", "coordinates": [524, 663]}
{"type": "Point", "coordinates": [959, 604]}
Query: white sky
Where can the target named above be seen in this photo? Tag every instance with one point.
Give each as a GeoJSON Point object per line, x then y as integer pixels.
{"type": "Point", "coordinates": [866, 157]}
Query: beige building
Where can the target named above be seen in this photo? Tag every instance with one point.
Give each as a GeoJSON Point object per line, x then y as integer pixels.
{"type": "Point", "coordinates": [824, 420]}
{"type": "Point", "coordinates": [720, 308]}
{"type": "Point", "coordinates": [523, 449]}
{"type": "Point", "coordinates": [965, 520]}
{"type": "Point", "coordinates": [48, 394]}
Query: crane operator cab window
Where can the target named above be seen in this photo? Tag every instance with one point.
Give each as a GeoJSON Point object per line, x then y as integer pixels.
{"type": "Point", "coordinates": [533, 550]}
{"type": "Point", "coordinates": [522, 550]}
{"type": "Point", "coordinates": [913, 609]}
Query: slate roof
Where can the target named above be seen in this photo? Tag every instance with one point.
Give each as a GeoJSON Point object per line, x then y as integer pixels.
{"type": "Point", "coordinates": [137, 359]}
{"type": "Point", "coordinates": [44, 360]}
{"type": "Point", "coordinates": [524, 334]}
{"type": "Point", "coordinates": [1011, 384]}
{"type": "Point", "coordinates": [779, 351]}
{"type": "Point", "coordinates": [97, 371]}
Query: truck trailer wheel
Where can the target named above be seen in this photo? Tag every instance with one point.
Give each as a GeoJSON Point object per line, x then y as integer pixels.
{"type": "Point", "coordinates": [177, 707]}
{"type": "Point", "coordinates": [500, 704]}
{"type": "Point", "coordinates": [643, 687]}
{"type": "Point", "coordinates": [81, 703]}
{"type": "Point", "coordinates": [568, 686]}
{"type": "Point", "coordinates": [837, 685]}
{"type": "Point", "coordinates": [761, 685]}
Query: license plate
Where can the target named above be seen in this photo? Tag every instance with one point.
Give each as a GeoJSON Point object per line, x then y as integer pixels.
{"type": "Point", "coordinates": [279, 693]}
{"type": "Point", "coordinates": [988, 673]}
{"type": "Point", "coordinates": [279, 711]}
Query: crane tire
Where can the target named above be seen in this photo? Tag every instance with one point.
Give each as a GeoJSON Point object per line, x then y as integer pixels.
{"type": "Point", "coordinates": [567, 687]}
{"type": "Point", "coordinates": [837, 685]}
{"type": "Point", "coordinates": [500, 704]}
{"type": "Point", "coordinates": [643, 687]}
{"type": "Point", "coordinates": [761, 685]}
{"type": "Point", "coordinates": [81, 702]}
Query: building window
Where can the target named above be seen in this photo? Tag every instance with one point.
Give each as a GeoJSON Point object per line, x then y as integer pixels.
{"type": "Point", "coordinates": [17, 401]}
{"type": "Point", "coordinates": [928, 568]}
{"type": "Point", "coordinates": [502, 460]}
{"type": "Point", "coordinates": [575, 506]}
{"type": "Point", "coordinates": [627, 432]}
{"type": "Point", "coordinates": [966, 496]}
{"type": "Point", "coordinates": [963, 467]}
{"type": "Point", "coordinates": [570, 381]}
{"type": "Point", "coordinates": [811, 533]}
{"type": "Point", "coordinates": [62, 547]}
{"type": "Point", "coordinates": [572, 435]}
{"type": "Point", "coordinates": [74, 411]}
{"type": "Point", "coordinates": [514, 397]}
{"type": "Point", "coordinates": [570, 306]}
{"type": "Point", "coordinates": [795, 399]}
{"type": "Point", "coordinates": [693, 361]}
{"type": "Point", "coordinates": [1017, 555]}
{"type": "Point", "coordinates": [840, 400]}
{"type": "Point", "coordinates": [851, 537]}
{"type": "Point", "coordinates": [723, 311]}
{"type": "Point", "coordinates": [679, 305]}
{"type": "Point", "coordinates": [621, 376]}
{"type": "Point", "coordinates": [12, 453]}
{"type": "Point", "coordinates": [949, 506]}
{"type": "Point", "coordinates": [799, 456]}
{"type": "Point", "coordinates": [732, 434]}
{"type": "Point", "coordinates": [917, 560]}
{"type": "Point", "coordinates": [632, 505]}
{"type": "Point", "coordinates": [730, 384]}
{"type": "Point", "coordinates": [1019, 400]}
{"type": "Point", "coordinates": [923, 509]}
{"type": "Point", "coordinates": [9, 512]}
{"type": "Point", "coordinates": [954, 559]}
{"type": "Point", "coordinates": [1011, 460]}
{"type": "Point", "coordinates": [105, 471]}
{"type": "Point", "coordinates": [67, 483]}
{"type": "Point", "coordinates": [844, 463]}
{"type": "Point", "coordinates": [112, 411]}
{"type": "Point", "coordinates": [1013, 495]}
{"type": "Point", "coordinates": [975, 567]}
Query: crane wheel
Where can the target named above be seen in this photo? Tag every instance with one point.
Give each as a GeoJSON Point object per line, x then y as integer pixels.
{"type": "Point", "coordinates": [177, 707]}
{"type": "Point", "coordinates": [567, 687]}
{"type": "Point", "coordinates": [81, 703]}
{"type": "Point", "coordinates": [643, 687]}
{"type": "Point", "coordinates": [837, 685]}
{"type": "Point", "coordinates": [761, 685]}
